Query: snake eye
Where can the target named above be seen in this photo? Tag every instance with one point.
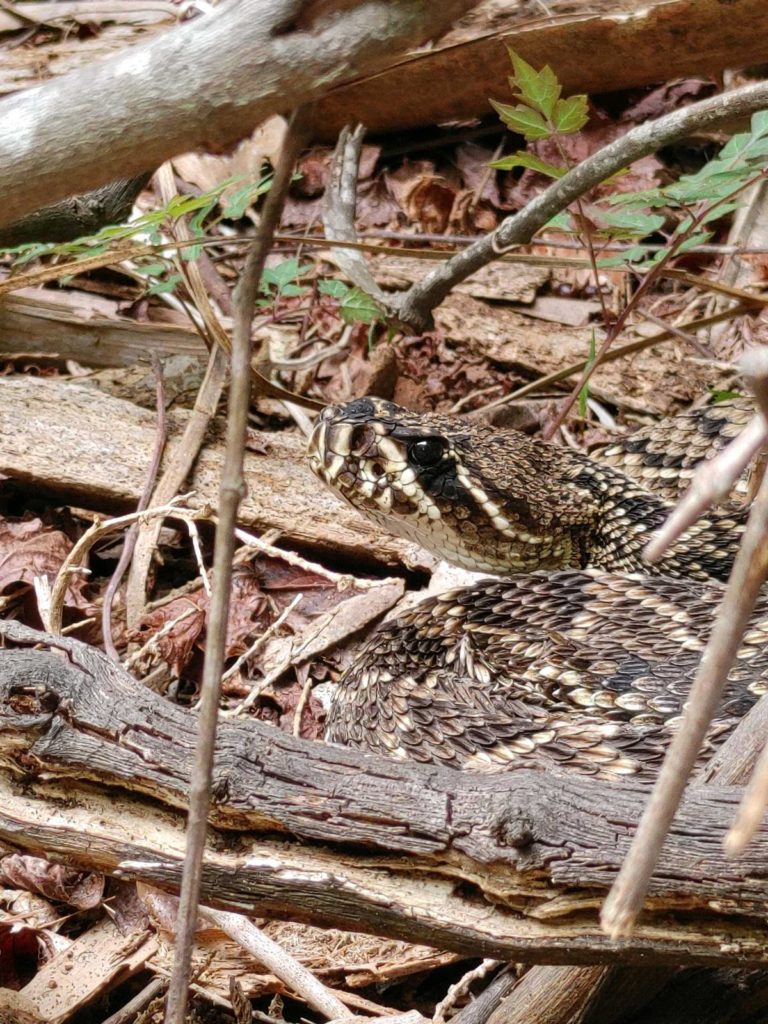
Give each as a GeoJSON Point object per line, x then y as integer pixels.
{"type": "Point", "coordinates": [427, 452]}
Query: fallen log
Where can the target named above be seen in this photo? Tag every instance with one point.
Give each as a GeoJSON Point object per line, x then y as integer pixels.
{"type": "Point", "coordinates": [78, 444]}
{"type": "Point", "coordinates": [95, 769]}
{"type": "Point", "coordinates": [629, 44]}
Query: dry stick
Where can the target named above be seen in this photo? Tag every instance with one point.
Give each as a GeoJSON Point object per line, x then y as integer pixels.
{"type": "Point", "coordinates": [415, 306]}
{"type": "Point", "coordinates": [710, 485]}
{"type": "Point", "coordinates": [126, 554]}
{"type": "Point", "coordinates": [185, 450]}
{"type": "Point", "coordinates": [285, 967]}
{"type": "Point", "coordinates": [625, 900]}
{"type": "Point", "coordinates": [73, 563]}
{"type": "Point", "coordinates": [339, 211]}
{"type": "Point", "coordinates": [230, 494]}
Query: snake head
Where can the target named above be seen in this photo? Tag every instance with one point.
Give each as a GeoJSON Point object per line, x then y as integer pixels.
{"type": "Point", "coordinates": [449, 486]}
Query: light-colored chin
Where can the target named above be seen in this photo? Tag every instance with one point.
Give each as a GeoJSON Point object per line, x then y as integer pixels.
{"type": "Point", "coordinates": [444, 544]}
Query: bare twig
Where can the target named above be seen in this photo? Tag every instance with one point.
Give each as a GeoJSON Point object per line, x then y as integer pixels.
{"type": "Point", "coordinates": [750, 569]}
{"type": "Point", "coordinates": [279, 962]}
{"type": "Point", "coordinates": [73, 563]}
{"type": "Point", "coordinates": [710, 484]}
{"type": "Point", "coordinates": [132, 536]}
{"type": "Point", "coordinates": [461, 988]}
{"type": "Point", "coordinates": [339, 211]}
{"type": "Point", "coordinates": [230, 494]}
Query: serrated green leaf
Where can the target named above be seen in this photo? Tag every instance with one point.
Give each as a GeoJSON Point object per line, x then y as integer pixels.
{"type": "Point", "coordinates": [635, 221]}
{"type": "Point", "coordinates": [571, 115]}
{"type": "Point", "coordinates": [539, 89]}
{"type": "Point", "coordinates": [526, 122]}
{"type": "Point", "coordinates": [759, 123]}
{"type": "Point", "coordinates": [698, 238]}
{"type": "Point", "coordinates": [359, 307]}
{"type": "Point", "coordinates": [336, 289]}
{"type": "Point", "coordinates": [621, 259]}
{"type": "Point", "coordinates": [530, 160]}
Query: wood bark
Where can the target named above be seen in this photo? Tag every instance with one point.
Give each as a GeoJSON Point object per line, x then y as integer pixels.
{"type": "Point", "coordinates": [206, 83]}
{"type": "Point", "coordinates": [53, 438]}
{"type": "Point", "coordinates": [511, 865]}
{"type": "Point", "coordinates": [629, 44]}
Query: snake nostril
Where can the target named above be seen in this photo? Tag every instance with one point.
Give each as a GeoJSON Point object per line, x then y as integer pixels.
{"type": "Point", "coordinates": [378, 469]}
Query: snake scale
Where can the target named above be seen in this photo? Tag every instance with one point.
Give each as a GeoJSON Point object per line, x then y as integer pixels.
{"type": "Point", "coordinates": [581, 654]}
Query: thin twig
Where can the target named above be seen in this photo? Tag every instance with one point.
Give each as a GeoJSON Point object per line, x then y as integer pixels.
{"type": "Point", "coordinates": [710, 484]}
{"type": "Point", "coordinates": [625, 900]}
{"type": "Point", "coordinates": [461, 988]}
{"type": "Point", "coordinates": [230, 494]}
{"type": "Point", "coordinates": [161, 434]}
{"type": "Point", "coordinates": [285, 967]}
{"type": "Point", "coordinates": [73, 563]}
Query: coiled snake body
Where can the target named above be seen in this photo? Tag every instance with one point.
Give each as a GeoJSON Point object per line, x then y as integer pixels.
{"type": "Point", "coordinates": [587, 664]}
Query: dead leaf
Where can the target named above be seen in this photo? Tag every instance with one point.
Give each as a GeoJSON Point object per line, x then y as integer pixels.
{"type": "Point", "coordinates": [28, 549]}
{"type": "Point", "coordinates": [80, 889]}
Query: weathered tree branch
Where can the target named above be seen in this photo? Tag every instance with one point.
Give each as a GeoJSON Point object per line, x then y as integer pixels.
{"type": "Point", "coordinates": [206, 82]}
{"type": "Point", "coordinates": [78, 215]}
{"type": "Point", "coordinates": [512, 866]}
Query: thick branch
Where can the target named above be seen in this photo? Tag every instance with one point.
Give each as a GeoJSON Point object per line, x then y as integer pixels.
{"type": "Point", "coordinates": [382, 842]}
{"type": "Point", "coordinates": [77, 216]}
{"type": "Point", "coordinates": [204, 83]}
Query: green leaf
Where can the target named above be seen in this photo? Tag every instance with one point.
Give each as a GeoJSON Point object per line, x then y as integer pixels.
{"type": "Point", "coordinates": [621, 259]}
{"type": "Point", "coordinates": [561, 222]}
{"type": "Point", "coordinates": [759, 123]}
{"type": "Point", "coordinates": [151, 269]}
{"type": "Point", "coordinates": [633, 222]}
{"type": "Point", "coordinates": [526, 122]}
{"type": "Point", "coordinates": [336, 289]}
{"type": "Point", "coordinates": [530, 160]}
{"type": "Point", "coordinates": [282, 275]}
{"type": "Point", "coordinates": [539, 89]}
{"type": "Point", "coordinates": [571, 115]}
{"type": "Point", "coordinates": [724, 396]}
{"type": "Point", "coordinates": [359, 307]}
{"type": "Point", "coordinates": [236, 203]}
{"type": "Point", "coordinates": [699, 238]}
{"type": "Point", "coordinates": [160, 287]}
